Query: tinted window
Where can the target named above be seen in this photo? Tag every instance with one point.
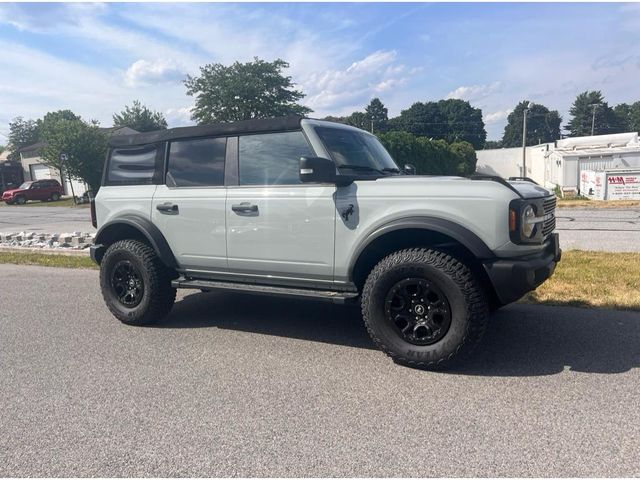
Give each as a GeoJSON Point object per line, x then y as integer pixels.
{"type": "Point", "coordinates": [132, 165]}
{"type": "Point", "coordinates": [359, 149]}
{"type": "Point", "coordinates": [272, 158]}
{"type": "Point", "coordinates": [197, 162]}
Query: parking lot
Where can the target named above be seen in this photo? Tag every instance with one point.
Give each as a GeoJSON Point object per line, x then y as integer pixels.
{"type": "Point", "coordinates": [273, 387]}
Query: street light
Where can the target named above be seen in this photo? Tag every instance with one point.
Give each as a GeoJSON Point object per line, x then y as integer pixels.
{"type": "Point", "coordinates": [593, 119]}
{"type": "Point", "coordinates": [524, 138]}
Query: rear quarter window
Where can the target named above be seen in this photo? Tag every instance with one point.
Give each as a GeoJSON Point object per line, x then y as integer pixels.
{"type": "Point", "coordinates": [134, 166]}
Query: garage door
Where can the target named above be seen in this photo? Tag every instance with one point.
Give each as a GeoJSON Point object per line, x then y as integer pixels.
{"type": "Point", "coordinates": [40, 172]}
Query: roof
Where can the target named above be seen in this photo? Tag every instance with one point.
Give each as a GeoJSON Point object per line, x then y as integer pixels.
{"type": "Point", "coordinates": [34, 146]}
{"type": "Point", "coordinates": [118, 130]}
{"type": "Point", "coordinates": [235, 128]}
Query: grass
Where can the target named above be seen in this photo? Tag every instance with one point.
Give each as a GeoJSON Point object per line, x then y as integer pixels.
{"type": "Point", "coordinates": [592, 280]}
{"type": "Point", "coordinates": [47, 260]}
{"type": "Point", "coordinates": [65, 202]}
{"type": "Point", "coordinates": [582, 279]}
{"type": "Point", "coordinates": [581, 202]}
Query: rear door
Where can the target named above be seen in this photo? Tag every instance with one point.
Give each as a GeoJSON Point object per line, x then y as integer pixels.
{"type": "Point", "coordinates": [189, 208]}
{"type": "Point", "coordinates": [278, 228]}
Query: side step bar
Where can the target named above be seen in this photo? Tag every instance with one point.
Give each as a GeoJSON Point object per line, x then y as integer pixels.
{"type": "Point", "coordinates": [329, 295]}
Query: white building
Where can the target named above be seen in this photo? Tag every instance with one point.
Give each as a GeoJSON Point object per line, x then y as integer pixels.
{"type": "Point", "coordinates": [561, 163]}
{"type": "Point", "coordinates": [34, 169]}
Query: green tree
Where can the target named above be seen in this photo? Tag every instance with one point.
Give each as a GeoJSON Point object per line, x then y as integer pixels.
{"type": "Point", "coordinates": [464, 122]}
{"type": "Point", "coordinates": [359, 120]}
{"type": "Point", "coordinates": [377, 114]}
{"type": "Point", "coordinates": [22, 133]}
{"type": "Point", "coordinates": [430, 157]}
{"type": "Point", "coordinates": [450, 120]}
{"type": "Point", "coordinates": [543, 125]}
{"type": "Point", "coordinates": [82, 143]}
{"type": "Point", "coordinates": [628, 116]}
{"type": "Point", "coordinates": [243, 91]}
{"type": "Point", "coordinates": [140, 118]}
{"type": "Point", "coordinates": [489, 144]}
{"type": "Point", "coordinates": [606, 121]}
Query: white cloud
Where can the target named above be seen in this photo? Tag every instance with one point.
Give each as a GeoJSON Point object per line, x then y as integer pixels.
{"type": "Point", "coordinates": [151, 72]}
{"type": "Point", "coordinates": [495, 117]}
{"type": "Point", "coordinates": [473, 92]}
{"type": "Point", "coordinates": [179, 116]}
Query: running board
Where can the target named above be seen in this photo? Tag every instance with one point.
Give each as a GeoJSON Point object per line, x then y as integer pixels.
{"type": "Point", "coordinates": [329, 295]}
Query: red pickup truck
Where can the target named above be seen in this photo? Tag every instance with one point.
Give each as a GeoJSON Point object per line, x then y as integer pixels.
{"type": "Point", "coordinates": [43, 190]}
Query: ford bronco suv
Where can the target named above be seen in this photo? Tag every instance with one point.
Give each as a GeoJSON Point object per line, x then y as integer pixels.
{"type": "Point", "coordinates": [313, 209]}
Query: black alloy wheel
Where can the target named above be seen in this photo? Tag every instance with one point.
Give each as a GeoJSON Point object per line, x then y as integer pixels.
{"type": "Point", "coordinates": [127, 284]}
{"type": "Point", "coordinates": [418, 310]}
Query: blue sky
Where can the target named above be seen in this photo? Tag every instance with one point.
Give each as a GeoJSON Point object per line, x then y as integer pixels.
{"type": "Point", "coordinates": [95, 58]}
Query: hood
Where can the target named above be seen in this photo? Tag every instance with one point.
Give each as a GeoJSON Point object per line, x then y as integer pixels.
{"type": "Point", "coordinates": [529, 189]}
{"type": "Point", "coordinates": [13, 190]}
{"type": "Point", "coordinates": [524, 188]}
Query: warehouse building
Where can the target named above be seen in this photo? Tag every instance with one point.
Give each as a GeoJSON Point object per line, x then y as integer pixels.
{"type": "Point", "coordinates": [561, 163]}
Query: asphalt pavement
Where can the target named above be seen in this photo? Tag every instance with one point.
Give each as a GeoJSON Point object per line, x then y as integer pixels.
{"type": "Point", "coordinates": [233, 385]}
{"type": "Point", "coordinates": [604, 229]}
{"type": "Point", "coordinates": [15, 219]}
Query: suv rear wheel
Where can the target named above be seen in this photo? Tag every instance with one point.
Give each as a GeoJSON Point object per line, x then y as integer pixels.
{"type": "Point", "coordinates": [55, 196]}
{"type": "Point", "coordinates": [135, 284]}
{"type": "Point", "coordinates": [423, 308]}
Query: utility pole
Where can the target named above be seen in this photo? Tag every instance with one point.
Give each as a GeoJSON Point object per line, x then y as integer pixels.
{"type": "Point", "coordinates": [593, 119]}
{"type": "Point", "coordinates": [524, 139]}
{"type": "Point", "coordinates": [372, 125]}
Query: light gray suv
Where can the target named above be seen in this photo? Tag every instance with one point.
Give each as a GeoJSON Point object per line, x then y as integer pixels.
{"type": "Point", "coordinates": [313, 209]}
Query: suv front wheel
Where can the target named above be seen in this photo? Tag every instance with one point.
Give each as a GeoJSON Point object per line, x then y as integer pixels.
{"type": "Point", "coordinates": [423, 308]}
{"type": "Point", "coordinates": [135, 284]}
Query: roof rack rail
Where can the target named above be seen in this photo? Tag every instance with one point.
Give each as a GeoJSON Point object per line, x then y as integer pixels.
{"type": "Point", "coordinates": [495, 178]}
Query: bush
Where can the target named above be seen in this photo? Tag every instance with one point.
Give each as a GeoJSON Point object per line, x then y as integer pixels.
{"type": "Point", "coordinates": [430, 157]}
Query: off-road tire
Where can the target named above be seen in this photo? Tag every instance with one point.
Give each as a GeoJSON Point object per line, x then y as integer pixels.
{"type": "Point", "coordinates": [468, 307]}
{"type": "Point", "coordinates": [158, 294]}
{"type": "Point", "coordinates": [20, 200]}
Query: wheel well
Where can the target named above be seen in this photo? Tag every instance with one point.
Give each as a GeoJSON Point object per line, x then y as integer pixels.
{"type": "Point", "coordinates": [121, 231]}
{"type": "Point", "coordinates": [418, 238]}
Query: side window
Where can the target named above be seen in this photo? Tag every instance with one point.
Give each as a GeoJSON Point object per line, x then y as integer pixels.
{"type": "Point", "coordinates": [195, 163]}
{"type": "Point", "coordinates": [272, 158]}
{"type": "Point", "coordinates": [133, 166]}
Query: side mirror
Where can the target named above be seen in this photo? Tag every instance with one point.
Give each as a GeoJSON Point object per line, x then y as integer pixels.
{"type": "Point", "coordinates": [317, 170]}
{"type": "Point", "coordinates": [409, 169]}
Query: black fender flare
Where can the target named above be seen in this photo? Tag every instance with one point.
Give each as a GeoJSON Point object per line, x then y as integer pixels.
{"type": "Point", "coordinates": [457, 232]}
{"type": "Point", "coordinates": [145, 227]}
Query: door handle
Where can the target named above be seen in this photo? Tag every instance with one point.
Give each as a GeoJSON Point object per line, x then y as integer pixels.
{"type": "Point", "coordinates": [168, 208]}
{"type": "Point", "coordinates": [244, 207]}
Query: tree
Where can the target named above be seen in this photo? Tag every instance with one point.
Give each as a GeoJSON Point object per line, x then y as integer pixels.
{"type": "Point", "coordinates": [450, 120]}
{"type": "Point", "coordinates": [543, 125]}
{"type": "Point", "coordinates": [22, 133]}
{"type": "Point", "coordinates": [377, 114]}
{"type": "Point", "coordinates": [430, 157]}
{"type": "Point", "coordinates": [628, 116]}
{"type": "Point", "coordinates": [359, 120]}
{"type": "Point", "coordinates": [489, 144]}
{"type": "Point", "coordinates": [140, 118]}
{"type": "Point", "coordinates": [606, 121]}
{"type": "Point", "coordinates": [243, 91]}
{"type": "Point", "coordinates": [83, 144]}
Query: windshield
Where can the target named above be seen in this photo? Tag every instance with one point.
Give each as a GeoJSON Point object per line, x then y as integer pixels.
{"type": "Point", "coordinates": [25, 185]}
{"type": "Point", "coordinates": [357, 150]}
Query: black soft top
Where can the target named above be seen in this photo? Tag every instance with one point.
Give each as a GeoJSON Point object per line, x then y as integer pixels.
{"type": "Point", "coordinates": [236, 128]}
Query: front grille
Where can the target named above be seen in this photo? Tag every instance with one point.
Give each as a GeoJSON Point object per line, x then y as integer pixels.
{"type": "Point", "coordinates": [549, 206]}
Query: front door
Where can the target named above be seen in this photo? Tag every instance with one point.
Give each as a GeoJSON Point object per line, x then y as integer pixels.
{"type": "Point", "coordinates": [277, 228]}
{"type": "Point", "coordinates": [190, 208]}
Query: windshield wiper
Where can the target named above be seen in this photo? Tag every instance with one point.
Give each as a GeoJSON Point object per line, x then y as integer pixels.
{"type": "Point", "coordinates": [362, 167]}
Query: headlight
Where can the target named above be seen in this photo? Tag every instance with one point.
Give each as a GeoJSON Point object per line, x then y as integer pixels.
{"type": "Point", "coordinates": [528, 221]}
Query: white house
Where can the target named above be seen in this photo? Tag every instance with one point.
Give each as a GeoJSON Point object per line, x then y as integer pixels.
{"type": "Point", "coordinates": [34, 169]}
{"type": "Point", "coordinates": [560, 163]}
